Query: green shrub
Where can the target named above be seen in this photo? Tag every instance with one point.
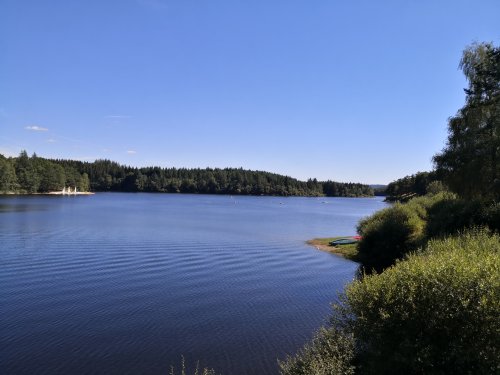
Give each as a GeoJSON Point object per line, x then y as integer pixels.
{"type": "Point", "coordinates": [389, 235]}
{"type": "Point", "coordinates": [490, 216]}
{"type": "Point", "coordinates": [436, 187]}
{"type": "Point", "coordinates": [434, 313]}
{"type": "Point", "coordinates": [450, 216]}
{"type": "Point", "coordinates": [330, 352]}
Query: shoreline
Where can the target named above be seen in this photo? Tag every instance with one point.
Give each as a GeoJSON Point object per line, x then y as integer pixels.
{"type": "Point", "coordinates": [349, 251]}
{"type": "Point", "coordinates": [191, 193]}
{"type": "Point", "coordinates": [50, 193]}
{"type": "Point", "coordinates": [61, 193]}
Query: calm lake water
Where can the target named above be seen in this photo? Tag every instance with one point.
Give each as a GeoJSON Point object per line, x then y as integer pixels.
{"type": "Point", "coordinates": [128, 283]}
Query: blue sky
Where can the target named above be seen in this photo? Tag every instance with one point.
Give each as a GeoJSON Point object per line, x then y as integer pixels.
{"type": "Point", "coordinates": [342, 90]}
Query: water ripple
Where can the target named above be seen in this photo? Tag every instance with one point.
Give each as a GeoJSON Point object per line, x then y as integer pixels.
{"type": "Point", "coordinates": [123, 284]}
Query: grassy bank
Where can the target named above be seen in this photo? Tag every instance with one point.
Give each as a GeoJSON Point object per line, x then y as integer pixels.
{"type": "Point", "coordinates": [348, 251]}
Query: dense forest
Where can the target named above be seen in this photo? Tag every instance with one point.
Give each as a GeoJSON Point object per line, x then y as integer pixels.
{"type": "Point", "coordinates": [25, 174]}
{"type": "Point", "coordinates": [415, 185]}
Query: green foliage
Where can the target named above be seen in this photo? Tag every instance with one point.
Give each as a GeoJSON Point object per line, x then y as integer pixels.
{"type": "Point", "coordinates": [84, 182]}
{"type": "Point", "coordinates": [490, 216]}
{"type": "Point", "coordinates": [391, 233]}
{"type": "Point", "coordinates": [33, 174]}
{"type": "Point", "coordinates": [41, 175]}
{"type": "Point", "coordinates": [436, 187]}
{"type": "Point", "coordinates": [338, 189]}
{"type": "Point", "coordinates": [412, 186]}
{"type": "Point", "coordinates": [51, 175]}
{"type": "Point", "coordinates": [26, 172]}
{"type": "Point", "coordinates": [470, 161]}
{"type": "Point", "coordinates": [330, 352]}
{"type": "Point", "coordinates": [451, 215]}
{"type": "Point", "coordinates": [434, 313]}
{"type": "Point", "coordinates": [8, 178]}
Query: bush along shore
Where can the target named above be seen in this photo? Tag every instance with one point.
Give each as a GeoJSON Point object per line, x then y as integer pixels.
{"type": "Point", "coordinates": [428, 297]}
{"type": "Point", "coordinates": [435, 312]}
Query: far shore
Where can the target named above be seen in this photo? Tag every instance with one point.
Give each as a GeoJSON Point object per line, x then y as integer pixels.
{"type": "Point", "coordinates": [49, 193]}
{"type": "Point", "coordinates": [61, 193]}
{"type": "Point", "coordinates": [346, 251]}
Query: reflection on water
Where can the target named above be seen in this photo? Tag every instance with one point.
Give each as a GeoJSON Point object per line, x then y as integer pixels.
{"type": "Point", "coordinates": [127, 283]}
{"type": "Point", "coordinates": [21, 207]}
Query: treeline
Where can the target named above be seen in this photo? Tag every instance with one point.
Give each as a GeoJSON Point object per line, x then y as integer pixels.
{"type": "Point", "coordinates": [432, 305]}
{"type": "Point", "coordinates": [34, 174]}
{"type": "Point", "coordinates": [415, 185]}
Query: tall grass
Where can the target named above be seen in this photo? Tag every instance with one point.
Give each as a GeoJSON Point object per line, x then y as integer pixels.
{"type": "Point", "coordinates": [197, 370]}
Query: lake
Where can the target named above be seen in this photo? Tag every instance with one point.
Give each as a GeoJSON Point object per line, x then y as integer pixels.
{"type": "Point", "coordinates": [119, 283]}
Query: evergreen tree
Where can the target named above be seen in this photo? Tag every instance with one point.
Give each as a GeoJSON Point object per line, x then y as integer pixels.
{"type": "Point", "coordinates": [52, 176]}
{"type": "Point", "coordinates": [8, 179]}
{"type": "Point", "coordinates": [470, 161]}
{"type": "Point", "coordinates": [26, 173]}
{"type": "Point", "coordinates": [42, 175]}
{"type": "Point", "coordinates": [84, 183]}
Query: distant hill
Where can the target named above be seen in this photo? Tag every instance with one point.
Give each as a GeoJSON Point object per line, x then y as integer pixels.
{"type": "Point", "coordinates": [37, 175]}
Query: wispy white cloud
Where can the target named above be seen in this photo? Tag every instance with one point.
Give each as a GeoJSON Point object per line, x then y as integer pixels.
{"type": "Point", "coordinates": [51, 140]}
{"type": "Point", "coordinates": [131, 152]}
{"type": "Point", "coordinates": [36, 128]}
